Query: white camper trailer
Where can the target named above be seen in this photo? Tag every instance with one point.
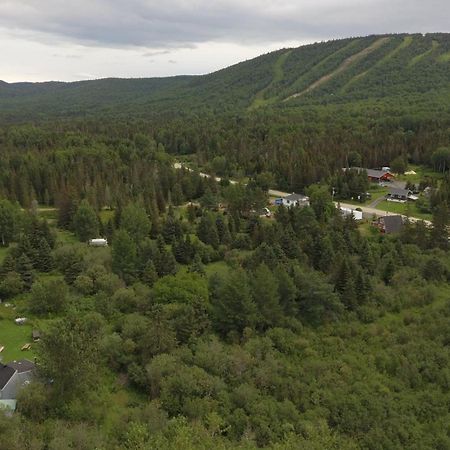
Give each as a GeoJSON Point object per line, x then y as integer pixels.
{"type": "Point", "coordinates": [99, 242]}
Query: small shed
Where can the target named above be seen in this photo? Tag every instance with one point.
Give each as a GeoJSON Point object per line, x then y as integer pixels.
{"type": "Point", "coordinates": [36, 335]}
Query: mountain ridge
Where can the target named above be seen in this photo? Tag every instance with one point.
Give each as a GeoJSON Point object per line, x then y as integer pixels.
{"type": "Point", "coordinates": [335, 71]}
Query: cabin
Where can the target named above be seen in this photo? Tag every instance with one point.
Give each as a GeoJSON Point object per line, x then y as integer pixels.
{"type": "Point", "coordinates": [295, 200]}
{"type": "Point", "coordinates": [98, 242]}
{"type": "Point", "coordinates": [36, 335]}
{"type": "Point", "coordinates": [390, 224]}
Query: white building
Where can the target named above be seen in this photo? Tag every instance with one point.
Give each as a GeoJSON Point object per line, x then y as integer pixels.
{"type": "Point", "coordinates": [357, 215]}
{"type": "Point", "coordinates": [295, 200]}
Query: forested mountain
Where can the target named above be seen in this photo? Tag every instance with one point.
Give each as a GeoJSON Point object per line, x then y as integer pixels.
{"type": "Point", "coordinates": [396, 68]}
{"type": "Point", "coordinates": [203, 323]}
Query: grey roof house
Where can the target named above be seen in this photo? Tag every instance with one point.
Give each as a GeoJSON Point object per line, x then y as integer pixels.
{"type": "Point", "coordinates": [398, 195]}
{"type": "Point", "coordinates": [390, 224]}
{"type": "Point", "coordinates": [295, 200]}
{"type": "Point", "coordinates": [13, 377]}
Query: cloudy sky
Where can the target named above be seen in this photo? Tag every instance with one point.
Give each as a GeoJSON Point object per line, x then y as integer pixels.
{"type": "Point", "coordinates": [83, 39]}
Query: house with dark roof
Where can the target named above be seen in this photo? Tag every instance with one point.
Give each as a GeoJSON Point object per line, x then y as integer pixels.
{"type": "Point", "coordinates": [390, 224]}
{"type": "Point", "coordinates": [398, 195]}
{"type": "Point", "coordinates": [6, 377]}
{"type": "Point", "coordinates": [13, 377]}
{"type": "Point", "coordinates": [401, 195]}
{"type": "Point", "coordinates": [295, 200]}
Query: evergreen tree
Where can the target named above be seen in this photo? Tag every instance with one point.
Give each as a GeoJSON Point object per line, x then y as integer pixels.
{"type": "Point", "coordinates": [233, 304]}
{"type": "Point", "coordinates": [266, 296]}
{"type": "Point", "coordinates": [388, 269]}
{"type": "Point", "coordinates": [149, 275]}
{"type": "Point", "coordinates": [439, 233]}
{"type": "Point", "coordinates": [166, 264]}
{"type": "Point", "coordinates": [207, 231]}
{"type": "Point", "coordinates": [25, 270]}
{"type": "Point", "coordinates": [124, 257]}
{"type": "Point", "coordinates": [44, 260]}
{"type": "Point", "coordinates": [85, 222]}
{"type": "Point", "coordinates": [222, 231]}
{"type": "Point", "coordinates": [197, 266]}
{"type": "Point", "coordinates": [172, 229]}
{"type": "Point", "coordinates": [135, 222]}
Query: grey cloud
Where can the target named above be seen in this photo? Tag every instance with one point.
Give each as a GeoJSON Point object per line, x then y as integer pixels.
{"type": "Point", "coordinates": [151, 54]}
{"type": "Point", "coordinates": [185, 23]}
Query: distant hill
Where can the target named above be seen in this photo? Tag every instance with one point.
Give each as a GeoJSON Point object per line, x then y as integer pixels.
{"type": "Point", "coordinates": [401, 68]}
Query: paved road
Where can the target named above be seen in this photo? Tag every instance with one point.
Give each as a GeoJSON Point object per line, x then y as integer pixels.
{"type": "Point", "coordinates": [368, 211]}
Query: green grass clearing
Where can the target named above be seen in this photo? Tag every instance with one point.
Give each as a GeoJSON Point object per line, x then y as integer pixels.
{"type": "Point", "coordinates": [278, 75]}
{"type": "Point", "coordinates": [404, 209]}
{"type": "Point", "coordinates": [13, 337]}
{"type": "Point", "coordinates": [418, 58]}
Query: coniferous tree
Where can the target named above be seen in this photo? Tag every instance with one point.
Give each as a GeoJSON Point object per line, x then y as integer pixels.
{"type": "Point", "coordinates": [124, 257]}
{"type": "Point", "coordinates": [207, 231]}
{"type": "Point", "coordinates": [85, 222]}
{"type": "Point", "coordinates": [44, 260]}
{"type": "Point", "coordinates": [266, 297]}
{"type": "Point", "coordinates": [135, 221]}
{"type": "Point", "coordinates": [25, 270]}
{"type": "Point", "coordinates": [166, 263]}
{"type": "Point", "coordinates": [149, 275]}
{"type": "Point", "coordinates": [233, 304]}
{"type": "Point", "coordinates": [197, 265]}
{"type": "Point", "coordinates": [222, 231]}
{"type": "Point", "coordinates": [439, 233]}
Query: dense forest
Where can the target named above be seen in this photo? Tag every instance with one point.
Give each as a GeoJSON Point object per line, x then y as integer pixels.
{"type": "Point", "coordinates": [206, 323]}
{"type": "Point", "coordinates": [396, 70]}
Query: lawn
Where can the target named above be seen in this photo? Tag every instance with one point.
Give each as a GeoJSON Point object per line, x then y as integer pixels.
{"type": "Point", "coordinates": [376, 191]}
{"type": "Point", "coordinates": [421, 173]}
{"type": "Point", "coordinates": [12, 337]}
{"type": "Point", "coordinates": [50, 214]}
{"type": "Point", "coordinates": [402, 208]}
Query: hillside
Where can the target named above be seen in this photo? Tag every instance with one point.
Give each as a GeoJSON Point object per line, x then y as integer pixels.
{"type": "Point", "coordinates": [407, 68]}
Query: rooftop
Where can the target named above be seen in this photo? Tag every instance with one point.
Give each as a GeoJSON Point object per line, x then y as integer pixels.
{"type": "Point", "coordinates": [6, 372]}
{"type": "Point", "coordinates": [392, 224]}
{"type": "Point", "coordinates": [22, 366]}
{"type": "Point", "coordinates": [296, 197]}
{"type": "Point", "coordinates": [399, 192]}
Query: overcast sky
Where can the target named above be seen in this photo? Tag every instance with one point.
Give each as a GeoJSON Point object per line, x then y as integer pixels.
{"type": "Point", "coordinates": [83, 39]}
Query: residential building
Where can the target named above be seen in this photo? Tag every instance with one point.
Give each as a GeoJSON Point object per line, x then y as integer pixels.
{"type": "Point", "coordinates": [390, 224]}
{"type": "Point", "coordinates": [295, 200]}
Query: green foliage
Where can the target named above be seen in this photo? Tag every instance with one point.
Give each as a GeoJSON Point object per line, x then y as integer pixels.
{"type": "Point", "coordinates": [124, 256]}
{"type": "Point", "coordinates": [85, 222]}
{"type": "Point", "coordinates": [48, 297]}
{"type": "Point", "coordinates": [135, 222]}
{"type": "Point", "coordinates": [68, 355]}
